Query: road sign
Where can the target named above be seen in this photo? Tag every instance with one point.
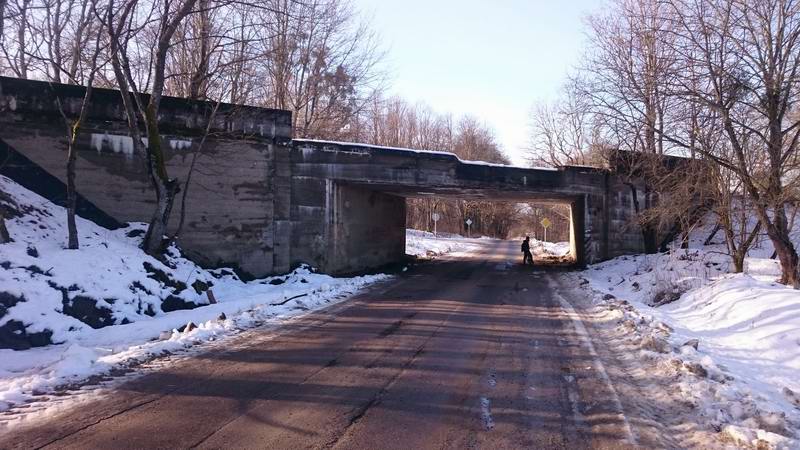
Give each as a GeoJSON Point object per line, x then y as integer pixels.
{"type": "Point", "coordinates": [435, 217]}
{"type": "Point", "coordinates": [545, 224]}
{"type": "Point", "coordinates": [469, 222]}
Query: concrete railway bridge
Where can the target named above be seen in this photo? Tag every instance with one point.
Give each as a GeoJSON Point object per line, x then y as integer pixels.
{"type": "Point", "coordinates": [264, 202]}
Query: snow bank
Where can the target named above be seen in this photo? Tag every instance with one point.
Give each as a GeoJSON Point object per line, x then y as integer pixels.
{"type": "Point", "coordinates": [424, 243]}
{"type": "Point", "coordinates": [744, 375]}
{"type": "Point", "coordinates": [545, 249]}
{"type": "Point", "coordinates": [109, 305]}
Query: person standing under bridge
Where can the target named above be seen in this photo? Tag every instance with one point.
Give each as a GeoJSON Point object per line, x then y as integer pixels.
{"type": "Point", "coordinates": [526, 251]}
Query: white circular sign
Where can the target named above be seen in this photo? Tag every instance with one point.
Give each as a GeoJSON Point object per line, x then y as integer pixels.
{"type": "Point", "coordinates": [469, 221]}
{"type": "Point", "coordinates": [435, 217]}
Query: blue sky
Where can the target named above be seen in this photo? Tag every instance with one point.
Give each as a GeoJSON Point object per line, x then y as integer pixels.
{"type": "Point", "coordinates": [490, 59]}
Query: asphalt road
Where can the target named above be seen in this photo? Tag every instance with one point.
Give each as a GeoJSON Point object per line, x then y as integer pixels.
{"type": "Point", "coordinates": [465, 352]}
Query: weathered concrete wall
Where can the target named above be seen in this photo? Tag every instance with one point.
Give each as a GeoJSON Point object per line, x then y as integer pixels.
{"type": "Point", "coordinates": [236, 207]}
{"type": "Point", "coordinates": [625, 235]}
{"type": "Point", "coordinates": [367, 229]}
{"type": "Point", "coordinates": [265, 203]}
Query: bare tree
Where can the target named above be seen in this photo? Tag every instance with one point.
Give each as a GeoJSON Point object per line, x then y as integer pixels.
{"type": "Point", "coordinates": [64, 34]}
{"type": "Point", "coordinates": [168, 17]}
{"type": "Point", "coordinates": [624, 79]}
{"type": "Point", "coordinates": [563, 132]}
{"type": "Point", "coordinates": [73, 129]}
{"type": "Point", "coordinates": [14, 46]}
{"type": "Point", "coordinates": [197, 46]}
{"type": "Point", "coordinates": [747, 56]}
{"type": "Point", "coordinates": [321, 63]}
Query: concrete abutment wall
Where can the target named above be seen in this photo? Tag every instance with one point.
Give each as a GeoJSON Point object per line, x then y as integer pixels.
{"type": "Point", "coordinates": [236, 203]}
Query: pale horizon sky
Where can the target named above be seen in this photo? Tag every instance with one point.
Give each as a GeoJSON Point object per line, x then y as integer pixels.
{"type": "Point", "coordinates": [492, 62]}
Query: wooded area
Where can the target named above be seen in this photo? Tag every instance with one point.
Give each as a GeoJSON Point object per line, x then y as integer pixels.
{"type": "Point", "coordinates": [712, 80]}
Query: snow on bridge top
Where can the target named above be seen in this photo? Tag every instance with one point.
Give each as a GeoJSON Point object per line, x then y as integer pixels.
{"type": "Point", "coordinates": [432, 153]}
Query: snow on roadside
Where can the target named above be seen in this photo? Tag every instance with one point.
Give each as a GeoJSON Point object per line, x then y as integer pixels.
{"type": "Point", "coordinates": [126, 306]}
{"type": "Point", "coordinates": [743, 377]}
{"type": "Point", "coordinates": [27, 373]}
{"type": "Point", "coordinates": [425, 244]}
{"type": "Point", "coordinates": [544, 248]}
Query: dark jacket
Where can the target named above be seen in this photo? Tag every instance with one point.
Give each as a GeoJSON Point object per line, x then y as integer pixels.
{"type": "Point", "coordinates": [526, 246]}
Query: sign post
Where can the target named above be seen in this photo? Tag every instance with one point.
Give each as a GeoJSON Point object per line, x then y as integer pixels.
{"type": "Point", "coordinates": [469, 233]}
{"type": "Point", "coordinates": [435, 217]}
{"type": "Point", "coordinates": [545, 224]}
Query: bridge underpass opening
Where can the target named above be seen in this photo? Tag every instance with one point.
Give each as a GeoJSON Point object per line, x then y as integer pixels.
{"type": "Point", "coordinates": [368, 222]}
{"type": "Point", "coordinates": [552, 244]}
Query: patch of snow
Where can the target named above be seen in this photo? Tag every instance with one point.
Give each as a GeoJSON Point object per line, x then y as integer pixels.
{"type": "Point", "coordinates": [428, 152]}
{"type": "Point", "coordinates": [486, 413]}
{"type": "Point", "coordinates": [544, 248]}
{"type": "Point", "coordinates": [180, 144]}
{"type": "Point", "coordinates": [425, 244]}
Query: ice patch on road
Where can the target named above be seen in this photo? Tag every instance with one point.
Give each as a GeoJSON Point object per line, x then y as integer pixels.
{"type": "Point", "coordinates": [486, 413]}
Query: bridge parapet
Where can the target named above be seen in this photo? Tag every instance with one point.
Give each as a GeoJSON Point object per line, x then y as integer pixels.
{"type": "Point", "coordinates": [38, 100]}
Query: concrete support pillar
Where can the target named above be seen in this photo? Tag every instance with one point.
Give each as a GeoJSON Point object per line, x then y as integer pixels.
{"type": "Point", "coordinates": [577, 231]}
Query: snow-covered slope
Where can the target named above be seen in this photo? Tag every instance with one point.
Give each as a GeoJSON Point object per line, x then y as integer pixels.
{"type": "Point", "coordinates": [747, 327]}
{"type": "Point", "coordinates": [108, 304]}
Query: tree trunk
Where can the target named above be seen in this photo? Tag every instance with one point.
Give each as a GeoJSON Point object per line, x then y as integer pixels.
{"type": "Point", "coordinates": [779, 235]}
{"type": "Point", "coordinates": [72, 229]}
{"type": "Point", "coordinates": [788, 259]}
{"type": "Point", "coordinates": [166, 188]}
{"type": "Point", "coordinates": [166, 191]}
{"type": "Point", "coordinates": [72, 195]}
{"type": "Point", "coordinates": [738, 262]}
{"type": "Point", "coordinates": [650, 237]}
{"type": "Point", "coordinates": [197, 84]}
{"type": "Point", "coordinates": [712, 234]}
{"type": "Point", "coordinates": [5, 237]}
{"type": "Point", "coordinates": [2, 15]}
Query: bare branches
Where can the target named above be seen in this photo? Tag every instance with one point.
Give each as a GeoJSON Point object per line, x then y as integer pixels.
{"type": "Point", "coordinates": [564, 132]}
{"type": "Point", "coordinates": [714, 80]}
